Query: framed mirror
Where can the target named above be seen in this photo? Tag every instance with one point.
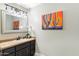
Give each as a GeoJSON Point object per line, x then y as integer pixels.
{"type": "Point", "coordinates": [13, 23]}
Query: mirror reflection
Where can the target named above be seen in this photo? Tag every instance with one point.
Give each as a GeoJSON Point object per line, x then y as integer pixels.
{"type": "Point", "coordinates": [15, 23]}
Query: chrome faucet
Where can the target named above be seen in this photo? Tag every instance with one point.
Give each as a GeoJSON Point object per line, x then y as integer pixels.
{"type": "Point", "coordinates": [18, 38]}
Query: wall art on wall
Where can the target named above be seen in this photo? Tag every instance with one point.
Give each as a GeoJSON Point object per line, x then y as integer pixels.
{"type": "Point", "coordinates": [16, 25]}
{"type": "Point", "coordinates": [53, 20]}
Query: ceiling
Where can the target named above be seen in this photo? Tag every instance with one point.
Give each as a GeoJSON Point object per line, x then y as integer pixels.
{"type": "Point", "coordinates": [29, 5]}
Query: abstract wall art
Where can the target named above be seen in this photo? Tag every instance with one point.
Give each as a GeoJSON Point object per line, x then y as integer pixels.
{"type": "Point", "coordinates": [53, 20]}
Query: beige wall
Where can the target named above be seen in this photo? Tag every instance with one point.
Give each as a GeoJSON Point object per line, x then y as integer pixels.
{"type": "Point", "coordinates": [57, 42]}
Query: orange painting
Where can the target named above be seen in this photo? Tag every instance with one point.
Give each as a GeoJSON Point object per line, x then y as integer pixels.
{"type": "Point", "coordinates": [16, 25]}
{"type": "Point", "coordinates": [53, 20]}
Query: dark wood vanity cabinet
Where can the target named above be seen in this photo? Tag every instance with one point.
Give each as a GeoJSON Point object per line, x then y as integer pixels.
{"type": "Point", "coordinates": [25, 49]}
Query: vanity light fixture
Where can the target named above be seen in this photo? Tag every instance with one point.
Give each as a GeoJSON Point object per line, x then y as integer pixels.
{"type": "Point", "coordinates": [14, 10]}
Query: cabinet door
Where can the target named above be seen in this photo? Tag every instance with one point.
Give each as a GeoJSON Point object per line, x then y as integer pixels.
{"type": "Point", "coordinates": [24, 52]}
{"type": "Point", "coordinates": [32, 47]}
{"type": "Point", "coordinates": [23, 49]}
{"type": "Point", "coordinates": [8, 51]}
{"type": "Point", "coordinates": [21, 52]}
{"type": "Point", "coordinates": [21, 46]}
{"type": "Point", "coordinates": [28, 50]}
{"type": "Point", "coordinates": [1, 53]}
{"type": "Point", "coordinates": [33, 44]}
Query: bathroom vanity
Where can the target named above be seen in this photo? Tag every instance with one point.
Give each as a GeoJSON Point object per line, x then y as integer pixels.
{"type": "Point", "coordinates": [14, 19]}
{"type": "Point", "coordinates": [22, 47]}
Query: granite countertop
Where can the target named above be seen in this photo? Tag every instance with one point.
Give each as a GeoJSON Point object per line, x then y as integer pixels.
{"type": "Point", "coordinates": [12, 43]}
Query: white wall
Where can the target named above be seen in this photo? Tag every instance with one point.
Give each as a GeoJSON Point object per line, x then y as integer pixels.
{"type": "Point", "coordinates": [57, 42]}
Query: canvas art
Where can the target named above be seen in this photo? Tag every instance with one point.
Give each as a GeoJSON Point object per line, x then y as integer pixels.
{"type": "Point", "coordinates": [53, 20]}
{"type": "Point", "coordinates": [16, 25]}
